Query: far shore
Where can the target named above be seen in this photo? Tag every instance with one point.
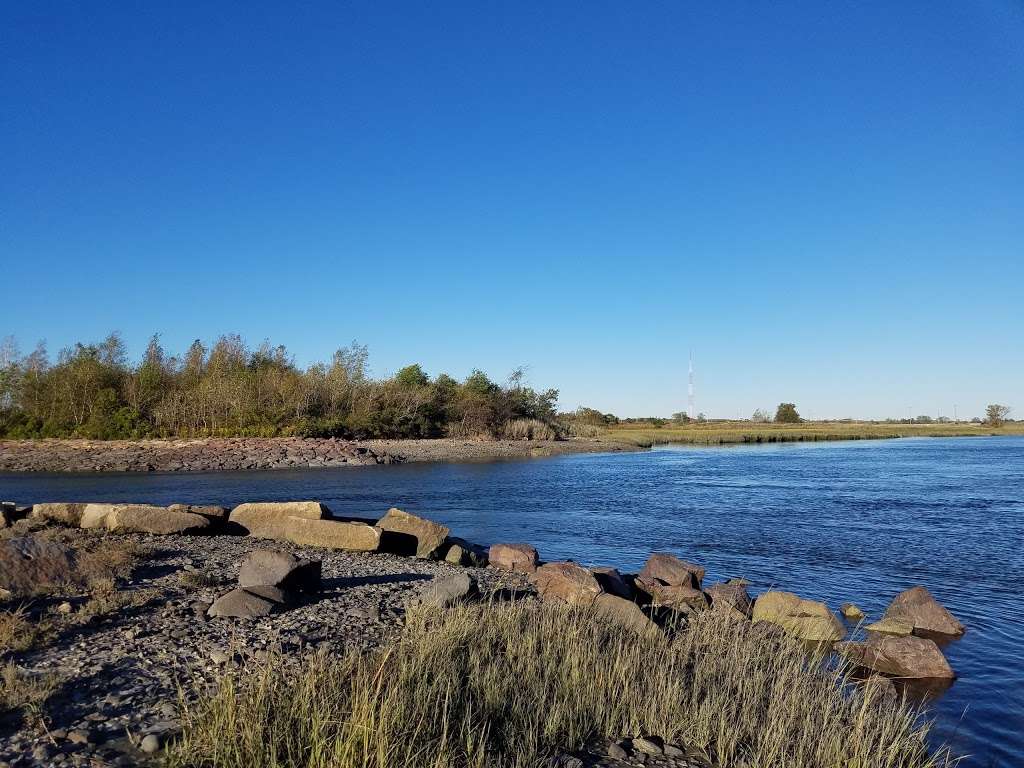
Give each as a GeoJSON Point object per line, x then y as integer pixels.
{"type": "Point", "coordinates": [211, 454]}
{"type": "Point", "coordinates": [227, 454]}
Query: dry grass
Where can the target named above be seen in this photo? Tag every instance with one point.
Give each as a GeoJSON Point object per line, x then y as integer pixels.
{"type": "Point", "coordinates": [200, 580]}
{"type": "Point", "coordinates": [109, 559]}
{"type": "Point", "coordinates": [57, 568]}
{"type": "Point", "coordinates": [528, 429]}
{"type": "Point", "coordinates": [734, 432]}
{"type": "Point", "coordinates": [511, 684]}
{"type": "Point", "coordinates": [26, 692]}
{"type": "Point", "coordinates": [17, 631]}
{"type": "Point", "coordinates": [105, 598]}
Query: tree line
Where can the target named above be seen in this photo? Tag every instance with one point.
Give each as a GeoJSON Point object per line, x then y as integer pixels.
{"type": "Point", "coordinates": [228, 389]}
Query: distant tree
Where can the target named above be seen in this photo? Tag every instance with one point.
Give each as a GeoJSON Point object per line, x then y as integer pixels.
{"type": "Point", "coordinates": [786, 414]}
{"type": "Point", "coordinates": [996, 414]}
{"type": "Point", "coordinates": [477, 383]}
{"type": "Point", "coordinates": [923, 420]}
{"type": "Point", "coordinates": [760, 417]}
{"type": "Point", "coordinates": [412, 376]}
{"type": "Point", "coordinates": [681, 417]}
{"type": "Point", "coordinates": [701, 417]}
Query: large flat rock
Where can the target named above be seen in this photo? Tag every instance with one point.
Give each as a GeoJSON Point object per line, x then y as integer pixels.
{"type": "Point", "coordinates": [269, 519]}
{"type": "Point", "coordinates": [333, 534]}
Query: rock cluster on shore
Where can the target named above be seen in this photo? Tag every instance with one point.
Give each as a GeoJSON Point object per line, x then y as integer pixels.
{"type": "Point", "coordinates": [303, 578]}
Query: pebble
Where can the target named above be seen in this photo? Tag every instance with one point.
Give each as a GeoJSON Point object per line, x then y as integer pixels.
{"type": "Point", "coordinates": [150, 744]}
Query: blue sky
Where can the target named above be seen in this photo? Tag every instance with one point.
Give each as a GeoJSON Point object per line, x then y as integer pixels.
{"type": "Point", "coordinates": [824, 201]}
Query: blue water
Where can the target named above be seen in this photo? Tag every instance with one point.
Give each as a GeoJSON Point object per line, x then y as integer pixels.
{"type": "Point", "coordinates": [857, 521]}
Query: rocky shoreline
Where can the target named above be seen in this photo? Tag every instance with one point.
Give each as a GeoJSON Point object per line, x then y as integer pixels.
{"type": "Point", "coordinates": [212, 590]}
{"type": "Point", "coordinates": [246, 453]}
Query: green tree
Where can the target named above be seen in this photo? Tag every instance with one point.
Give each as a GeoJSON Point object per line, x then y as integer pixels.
{"type": "Point", "coordinates": [996, 415]}
{"type": "Point", "coordinates": [786, 414]}
{"type": "Point", "coordinates": [411, 377]}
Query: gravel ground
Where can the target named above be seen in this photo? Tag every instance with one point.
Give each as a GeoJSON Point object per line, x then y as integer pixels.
{"type": "Point", "coordinates": [119, 675]}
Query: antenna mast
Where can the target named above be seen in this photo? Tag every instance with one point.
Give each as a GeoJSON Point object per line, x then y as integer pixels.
{"type": "Point", "coordinates": [690, 408]}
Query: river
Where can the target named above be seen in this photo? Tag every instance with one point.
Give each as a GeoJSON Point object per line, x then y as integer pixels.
{"type": "Point", "coordinates": [848, 521]}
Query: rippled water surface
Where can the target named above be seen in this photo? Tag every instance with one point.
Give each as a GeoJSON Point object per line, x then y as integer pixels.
{"type": "Point", "coordinates": [855, 521]}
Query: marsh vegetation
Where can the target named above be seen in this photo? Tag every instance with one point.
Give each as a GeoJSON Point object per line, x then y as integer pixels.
{"type": "Point", "coordinates": [512, 684]}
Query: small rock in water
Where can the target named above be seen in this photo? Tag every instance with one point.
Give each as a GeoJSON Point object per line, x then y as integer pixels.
{"type": "Point", "coordinates": [851, 612]}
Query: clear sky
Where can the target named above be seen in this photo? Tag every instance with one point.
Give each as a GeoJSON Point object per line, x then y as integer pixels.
{"type": "Point", "coordinates": [824, 201]}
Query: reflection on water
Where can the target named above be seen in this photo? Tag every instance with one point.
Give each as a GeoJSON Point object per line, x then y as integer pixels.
{"type": "Point", "coordinates": [857, 522]}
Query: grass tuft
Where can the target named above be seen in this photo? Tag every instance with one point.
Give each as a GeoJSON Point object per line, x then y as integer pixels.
{"type": "Point", "coordinates": [24, 691]}
{"type": "Point", "coordinates": [17, 631]}
{"type": "Point", "coordinates": [512, 684]}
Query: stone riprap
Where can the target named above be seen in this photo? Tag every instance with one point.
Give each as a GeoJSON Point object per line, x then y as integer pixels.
{"type": "Point", "coordinates": [198, 455]}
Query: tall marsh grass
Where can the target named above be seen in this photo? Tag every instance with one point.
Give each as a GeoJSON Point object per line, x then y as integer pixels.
{"type": "Point", "coordinates": [528, 429]}
{"type": "Point", "coordinates": [511, 684]}
{"type": "Point", "coordinates": [738, 432]}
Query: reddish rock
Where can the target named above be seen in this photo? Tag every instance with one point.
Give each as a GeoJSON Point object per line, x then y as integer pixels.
{"type": "Point", "coordinates": [731, 597]}
{"type": "Point", "coordinates": [567, 581]}
{"type": "Point", "coordinates": [915, 657]}
{"type": "Point", "coordinates": [924, 612]}
{"type": "Point", "coordinates": [670, 570]}
{"type": "Point", "coordinates": [513, 557]}
{"type": "Point", "coordinates": [613, 583]}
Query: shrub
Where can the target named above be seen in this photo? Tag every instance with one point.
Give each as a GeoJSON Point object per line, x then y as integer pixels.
{"type": "Point", "coordinates": [786, 413]}
{"type": "Point", "coordinates": [511, 684]}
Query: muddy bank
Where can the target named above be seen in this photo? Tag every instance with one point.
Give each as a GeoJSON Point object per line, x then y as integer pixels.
{"type": "Point", "coordinates": [214, 454]}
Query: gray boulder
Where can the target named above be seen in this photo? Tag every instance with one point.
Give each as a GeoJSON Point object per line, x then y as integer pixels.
{"type": "Point", "coordinates": [265, 567]}
{"type": "Point", "coordinates": [448, 590]}
{"type": "Point", "coordinates": [249, 603]}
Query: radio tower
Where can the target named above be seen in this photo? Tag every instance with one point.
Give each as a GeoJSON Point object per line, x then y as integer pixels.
{"type": "Point", "coordinates": [690, 408]}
